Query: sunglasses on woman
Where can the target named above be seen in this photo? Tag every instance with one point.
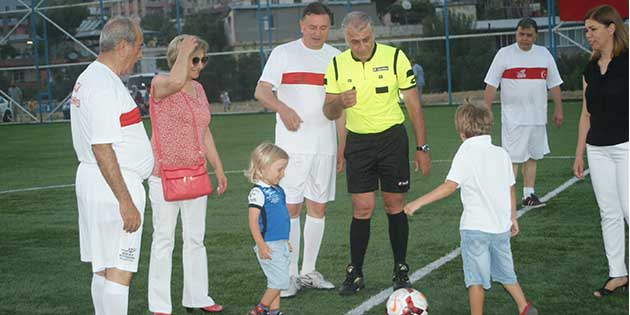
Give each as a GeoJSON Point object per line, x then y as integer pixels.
{"type": "Point", "coordinates": [196, 60]}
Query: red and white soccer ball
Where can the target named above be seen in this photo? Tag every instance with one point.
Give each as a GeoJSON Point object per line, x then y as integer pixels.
{"type": "Point", "coordinates": [407, 302]}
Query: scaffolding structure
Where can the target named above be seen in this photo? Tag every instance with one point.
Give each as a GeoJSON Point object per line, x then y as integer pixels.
{"type": "Point", "coordinates": [35, 10]}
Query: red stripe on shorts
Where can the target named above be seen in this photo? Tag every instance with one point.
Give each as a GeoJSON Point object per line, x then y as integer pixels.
{"type": "Point", "coordinates": [525, 73]}
{"type": "Point", "coordinates": [130, 118]}
{"type": "Point", "coordinates": [303, 78]}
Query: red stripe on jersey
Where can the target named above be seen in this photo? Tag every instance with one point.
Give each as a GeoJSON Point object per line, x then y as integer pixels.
{"type": "Point", "coordinates": [309, 78]}
{"type": "Point", "coordinates": [525, 73]}
{"type": "Point", "coordinates": [130, 118]}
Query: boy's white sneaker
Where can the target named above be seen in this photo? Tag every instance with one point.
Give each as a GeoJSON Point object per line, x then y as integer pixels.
{"type": "Point", "coordinates": [315, 280]}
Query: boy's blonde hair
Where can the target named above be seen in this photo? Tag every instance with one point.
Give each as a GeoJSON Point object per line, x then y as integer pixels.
{"type": "Point", "coordinates": [262, 157]}
{"type": "Point", "coordinates": [472, 119]}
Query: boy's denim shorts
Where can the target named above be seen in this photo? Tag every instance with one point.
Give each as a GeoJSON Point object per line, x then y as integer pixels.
{"type": "Point", "coordinates": [486, 255]}
{"type": "Point", "coordinates": [276, 269]}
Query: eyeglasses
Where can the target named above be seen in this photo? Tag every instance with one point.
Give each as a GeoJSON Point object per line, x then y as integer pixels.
{"type": "Point", "coordinates": [196, 60]}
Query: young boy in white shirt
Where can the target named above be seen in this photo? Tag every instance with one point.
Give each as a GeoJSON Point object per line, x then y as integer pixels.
{"type": "Point", "coordinates": [483, 171]}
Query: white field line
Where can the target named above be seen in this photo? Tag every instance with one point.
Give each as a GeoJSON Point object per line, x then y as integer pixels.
{"type": "Point", "coordinates": [19, 190]}
{"type": "Point", "coordinates": [72, 185]}
{"type": "Point", "coordinates": [382, 296]}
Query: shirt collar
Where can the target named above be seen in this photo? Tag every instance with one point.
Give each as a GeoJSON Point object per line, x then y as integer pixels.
{"type": "Point", "coordinates": [483, 139]}
{"type": "Point", "coordinates": [262, 184]}
{"type": "Point", "coordinates": [372, 55]}
{"type": "Point", "coordinates": [307, 48]}
{"type": "Point", "coordinates": [518, 48]}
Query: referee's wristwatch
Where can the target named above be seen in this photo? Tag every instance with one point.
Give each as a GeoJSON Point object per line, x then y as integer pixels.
{"type": "Point", "coordinates": [423, 148]}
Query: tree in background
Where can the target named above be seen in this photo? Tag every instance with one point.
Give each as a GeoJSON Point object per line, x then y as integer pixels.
{"type": "Point", "coordinates": [68, 18]}
{"type": "Point", "coordinates": [209, 26]}
{"type": "Point", "coordinates": [570, 68]}
{"type": "Point", "coordinates": [172, 12]}
{"type": "Point", "coordinates": [161, 24]}
{"type": "Point", "coordinates": [508, 9]}
{"type": "Point", "coordinates": [7, 51]}
{"type": "Point", "coordinates": [221, 72]}
{"type": "Point", "coordinates": [420, 9]}
{"type": "Point", "coordinates": [470, 57]}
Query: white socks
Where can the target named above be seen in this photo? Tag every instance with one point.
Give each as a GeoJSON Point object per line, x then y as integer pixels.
{"type": "Point", "coordinates": [98, 285]}
{"type": "Point", "coordinates": [115, 298]}
{"type": "Point", "coordinates": [313, 234]}
{"type": "Point", "coordinates": [294, 238]}
{"type": "Point", "coordinates": [527, 191]}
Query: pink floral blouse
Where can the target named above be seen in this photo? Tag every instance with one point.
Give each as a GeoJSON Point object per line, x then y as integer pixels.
{"type": "Point", "coordinates": [174, 122]}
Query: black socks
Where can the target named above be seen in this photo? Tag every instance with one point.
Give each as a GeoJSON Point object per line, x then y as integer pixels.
{"type": "Point", "coordinates": [398, 235]}
{"type": "Point", "coordinates": [359, 239]}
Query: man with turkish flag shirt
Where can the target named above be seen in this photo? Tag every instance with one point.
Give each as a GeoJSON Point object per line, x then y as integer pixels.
{"type": "Point", "coordinates": [525, 71]}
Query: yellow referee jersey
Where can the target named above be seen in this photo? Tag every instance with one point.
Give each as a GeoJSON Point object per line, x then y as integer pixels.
{"type": "Point", "coordinates": [377, 82]}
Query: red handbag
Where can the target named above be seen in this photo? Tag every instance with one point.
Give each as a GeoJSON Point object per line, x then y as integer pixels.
{"type": "Point", "coordinates": [181, 182]}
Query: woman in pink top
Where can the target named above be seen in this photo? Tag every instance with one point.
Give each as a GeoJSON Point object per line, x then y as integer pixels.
{"type": "Point", "coordinates": [179, 101]}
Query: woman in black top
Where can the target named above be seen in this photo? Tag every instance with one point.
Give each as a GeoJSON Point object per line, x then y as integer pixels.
{"type": "Point", "coordinates": [603, 131]}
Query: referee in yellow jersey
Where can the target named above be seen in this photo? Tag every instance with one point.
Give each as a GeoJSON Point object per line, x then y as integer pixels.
{"type": "Point", "coordinates": [364, 82]}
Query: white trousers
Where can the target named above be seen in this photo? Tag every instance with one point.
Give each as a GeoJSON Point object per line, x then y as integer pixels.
{"type": "Point", "coordinates": [195, 260]}
{"type": "Point", "coordinates": [609, 174]}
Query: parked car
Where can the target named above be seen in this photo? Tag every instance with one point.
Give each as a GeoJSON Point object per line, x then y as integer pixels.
{"type": "Point", "coordinates": [141, 82]}
{"type": "Point", "coordinates": [139, 86]}
{"type": "Point", "coordinates": [65, 109]}
{"type": "Point", "coordinates": [5, 110]}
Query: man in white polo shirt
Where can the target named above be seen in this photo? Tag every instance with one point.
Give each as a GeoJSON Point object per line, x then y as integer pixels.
{"type": "Point", "coordinates": [115, 157]}
{"type": "Point", "coordinates": [525, 71]}
{"type": "Point", "coordinates": [296, 71]}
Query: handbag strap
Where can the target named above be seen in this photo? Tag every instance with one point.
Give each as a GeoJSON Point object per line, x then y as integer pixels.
{"type": "Point", "coordinates": [154, 124]}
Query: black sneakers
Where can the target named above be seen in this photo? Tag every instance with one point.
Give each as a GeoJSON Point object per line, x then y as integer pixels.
{"type": "Point", "coordinates": [533, 202]}
{"type": "Point", "coordinates": [401, 277]}
{"type": "Point", "coordinates": [354, 279]}
{"type": "Point", "coordinates": [353, 283]}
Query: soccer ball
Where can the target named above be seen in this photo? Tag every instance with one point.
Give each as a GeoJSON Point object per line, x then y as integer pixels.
{"type": "Point", "coordinates": [407, 301]}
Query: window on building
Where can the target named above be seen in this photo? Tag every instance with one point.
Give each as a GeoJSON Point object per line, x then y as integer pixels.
{"type": "Point", "coordinates": [268, 23]}
{"type": "Point", "coordinates": [18, 76]}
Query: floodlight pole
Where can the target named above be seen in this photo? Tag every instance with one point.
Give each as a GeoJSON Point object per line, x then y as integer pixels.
{"type": "Point", "coordinates": [448, 54]}
{"type": "Point", "coordinates": [47, 61]}
{"type": "Point", "coordinates": [102, 18]}
{"type": "Point", "coordinates": [260, 35]}
{"type": "Point", "coordinates": [269, 24]}
{"type": "Point", "coordinates": [551, 19]}
{"type": "Point", "coordinates": [178, 18]}
{"type": "Point", "coordinates": [36, 58]}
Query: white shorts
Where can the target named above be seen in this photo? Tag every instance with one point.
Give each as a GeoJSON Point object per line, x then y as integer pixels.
{"type": "Point", "coordinates": [102, 239]}
{"type": "Point", "coordinates": [524, 142]}
{"type": "Point", "coordinates": [310, 176]}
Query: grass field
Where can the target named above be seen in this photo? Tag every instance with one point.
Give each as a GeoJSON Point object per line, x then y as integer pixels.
{"type": "Point", "coordinates": [558, 255]}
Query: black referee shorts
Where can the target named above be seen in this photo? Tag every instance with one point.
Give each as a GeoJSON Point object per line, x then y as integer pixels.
{"type": "Point", "coordinates": [378, 158]}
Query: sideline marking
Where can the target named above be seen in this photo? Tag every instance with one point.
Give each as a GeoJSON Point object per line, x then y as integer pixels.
{"type": "Point", "coordinates": [18, 190]}
{"type": "Point", "coordinates": [72, 185]}
{"type": "Point", "coordinates": [381, 297]}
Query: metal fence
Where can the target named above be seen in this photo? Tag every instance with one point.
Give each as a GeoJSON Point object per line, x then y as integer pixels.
{"type": "Point", "coordinates": [455, 62]}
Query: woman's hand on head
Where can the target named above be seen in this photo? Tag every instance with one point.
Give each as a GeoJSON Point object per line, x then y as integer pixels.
{"type": "Point", "coordinates": [188, 45]}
